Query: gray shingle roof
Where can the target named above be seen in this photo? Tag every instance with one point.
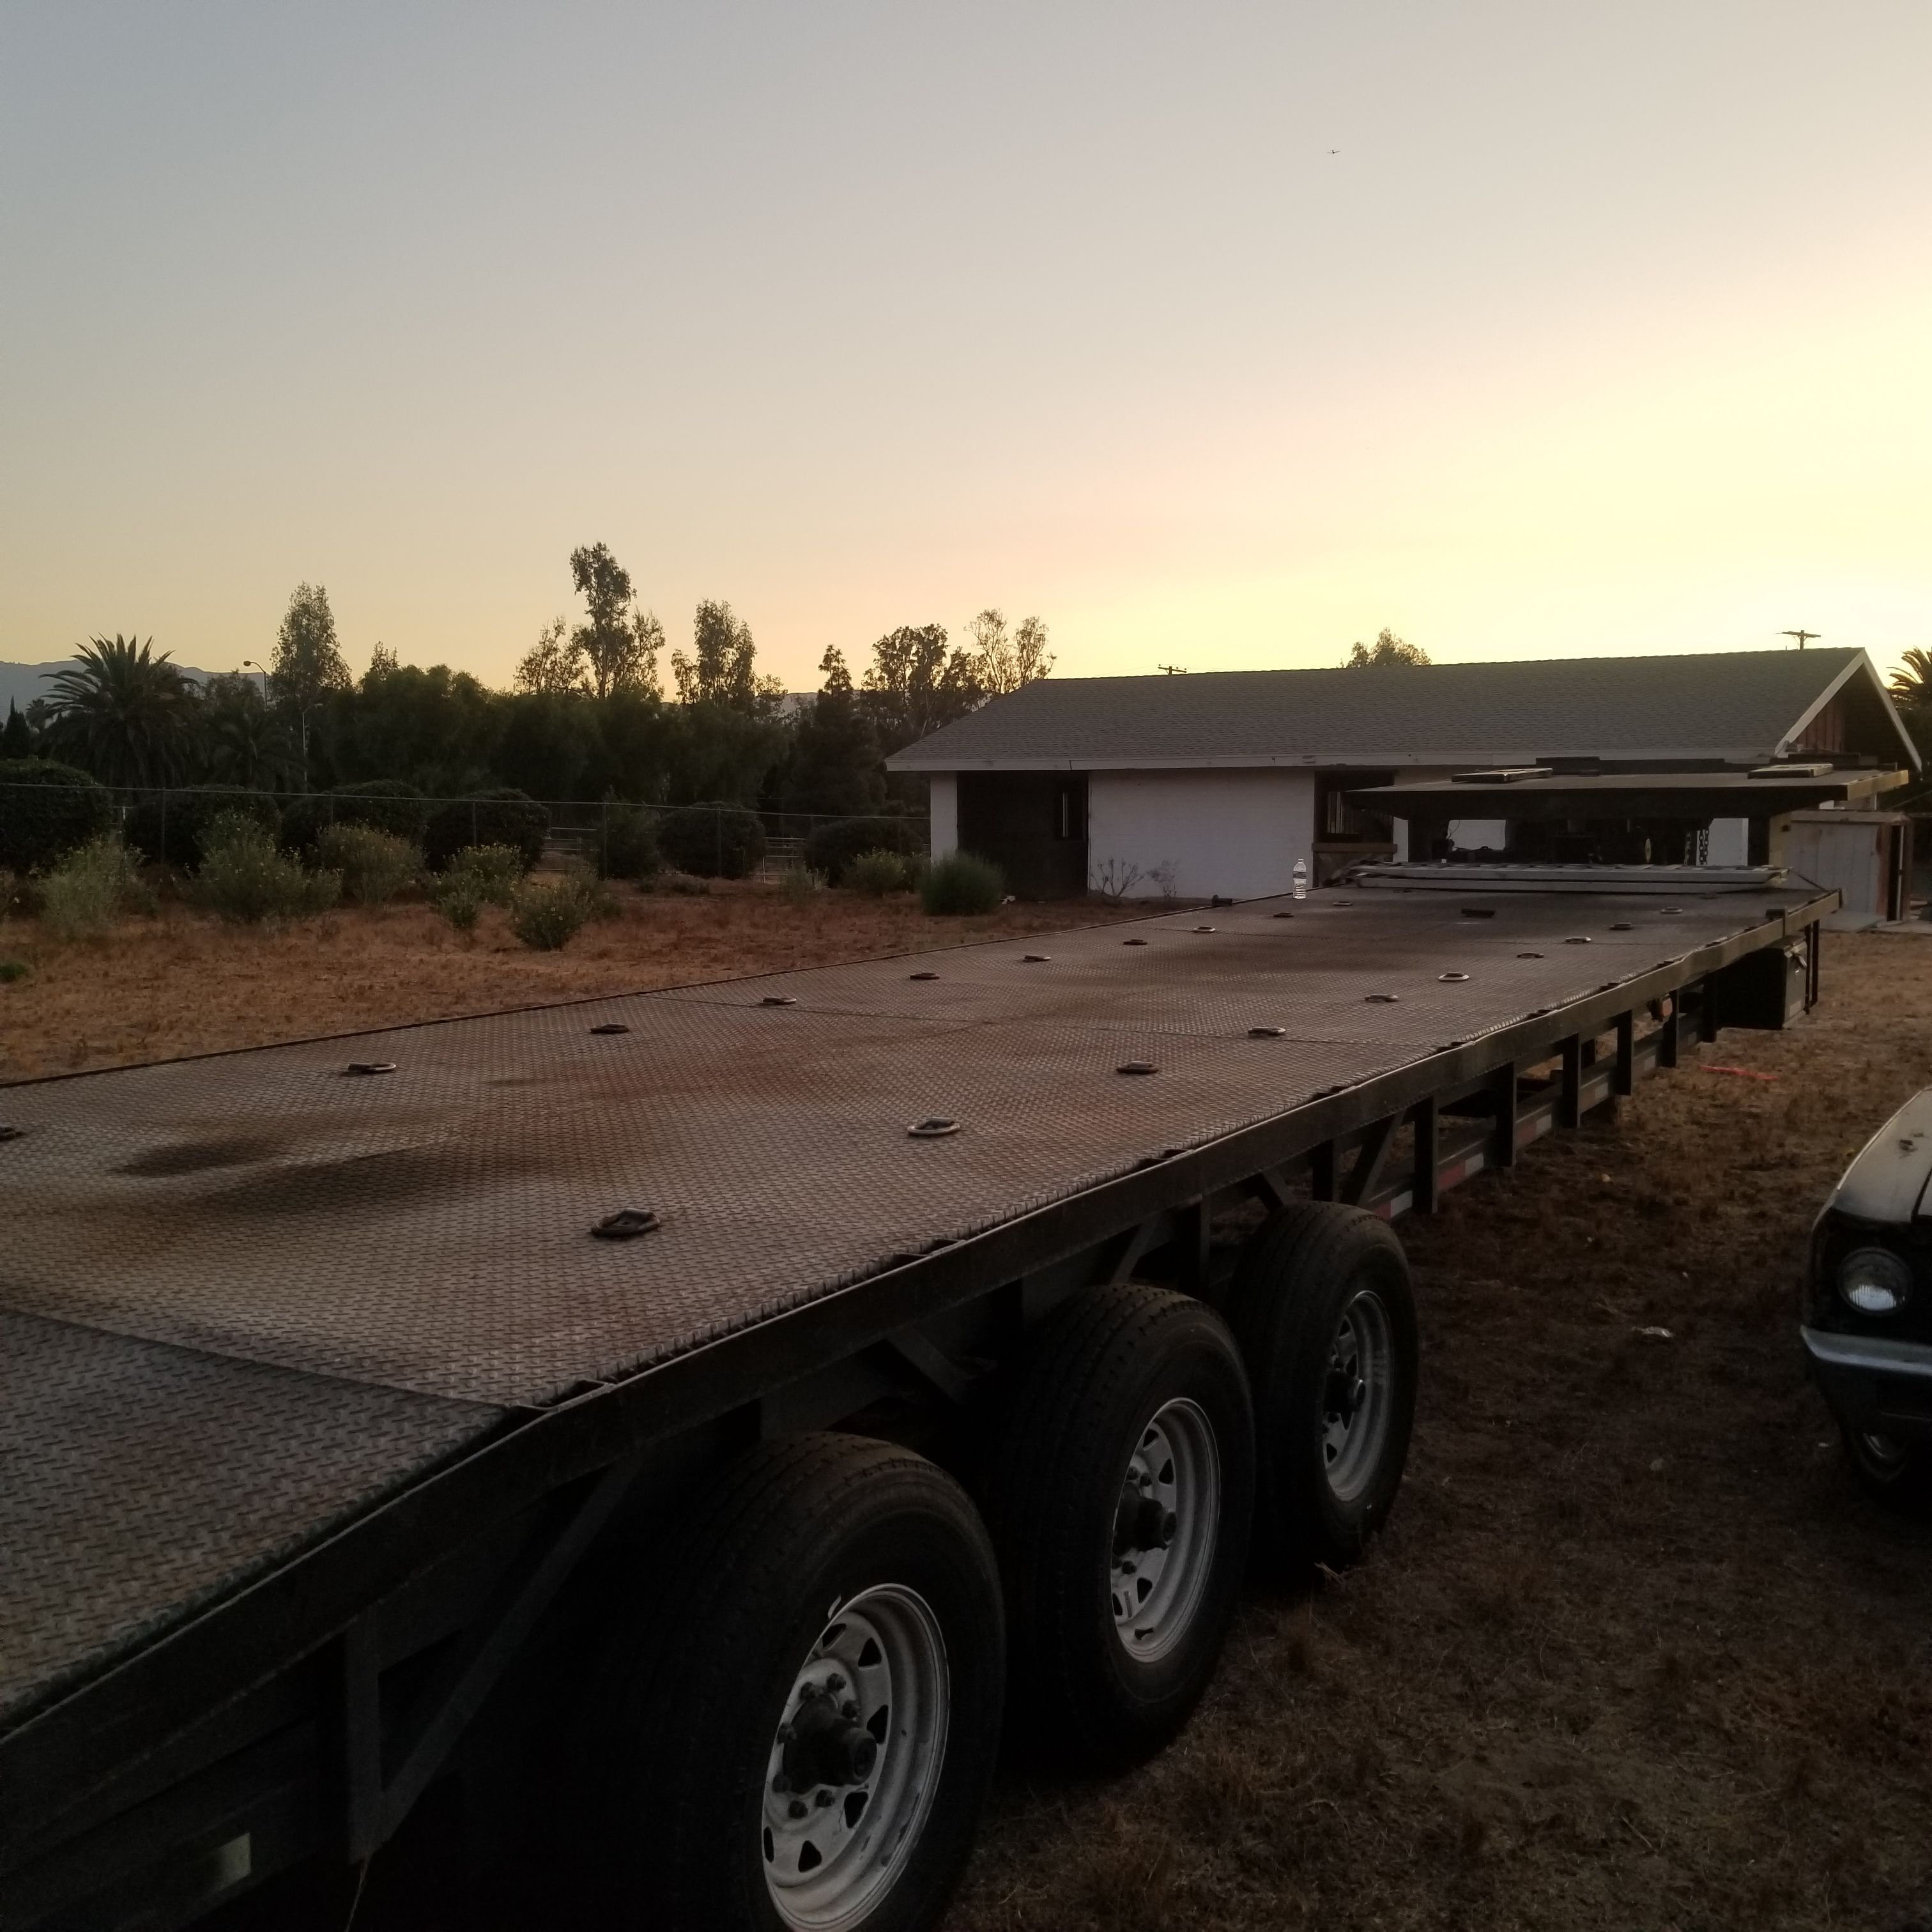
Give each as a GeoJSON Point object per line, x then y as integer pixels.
{"type": "Point", "coordinates": [1733, 704]}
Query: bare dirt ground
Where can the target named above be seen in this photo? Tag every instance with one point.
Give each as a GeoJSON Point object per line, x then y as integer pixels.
{"type": "Point", "coordinates": [1633, 1654]}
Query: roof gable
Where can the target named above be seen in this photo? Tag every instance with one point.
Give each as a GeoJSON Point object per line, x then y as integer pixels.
{"type": "Point", "coordinates": [1730, 705]}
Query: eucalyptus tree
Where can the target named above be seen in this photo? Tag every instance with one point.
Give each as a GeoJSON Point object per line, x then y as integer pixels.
{"type": "Point", "coordinates": [308, 663]}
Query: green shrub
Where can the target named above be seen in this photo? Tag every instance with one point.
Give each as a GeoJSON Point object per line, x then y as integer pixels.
{"type": "Point", "coordinates": [493, 872]}
{"type": "Point", "coordinates": [548, 914]}
{"type": "Point", "coordinates": [877, 873]}
{"type": "Point", "coordinates": [961, 882]}
{"type": "Point", "coordinates": [91, 888]}
{"type": "Point", "coordinates": [244, 877]}
{"type": "Point", "coordinates": [713, 842]}
{"type": "Point", "coordinates": [11, 969]}
{"type": "Point", "coordinates": [47, 809]}
{"type": "Point", "coordinates": [168, 828]}
{"type": "Point", "coordinates": [503, 816]}
{"type": "Point", "coordinates": [388, 804]}
{"type": "Point", "coordinates": [800, 884]}
{"type": "Point", "coordinates": [832, 847]}
{"type": "Point", "coordinates": [629, 848]}
{"type": "Point", "coordinates": [458, 897]}
{"type": "Point", "coordinates": [375, 866]}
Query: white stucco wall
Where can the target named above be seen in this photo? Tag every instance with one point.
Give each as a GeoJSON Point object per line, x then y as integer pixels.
{"type": "Point", "coordinates": [942, 806]}
{"type": "Point", "coordinates": [1477, 835]}
{"type": "Point", "coordinates": [1236, 833]}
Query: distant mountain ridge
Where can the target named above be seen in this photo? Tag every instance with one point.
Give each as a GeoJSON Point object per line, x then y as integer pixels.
{"type": "Point", "coordinates": [24, 682]}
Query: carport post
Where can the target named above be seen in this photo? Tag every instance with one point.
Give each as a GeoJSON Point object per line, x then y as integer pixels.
{"type": "Point", "coordinates": [1504, 1081]}
{"type": "Point", "coordinates": [1623, 1082]}
{"type": "Point", "coordinates": [1424, 1189]}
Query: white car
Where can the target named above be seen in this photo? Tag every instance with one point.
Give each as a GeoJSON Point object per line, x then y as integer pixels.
{"type": "Point", "coordinates": [1867, 1326]}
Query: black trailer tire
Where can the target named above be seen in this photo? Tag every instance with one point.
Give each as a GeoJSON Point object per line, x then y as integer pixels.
{"type": "Point", "coordinates": [1895, 1473]}
{"type": "Point", "coordinates": [1321, 1306]}
{"type": "Point", "coordinates": [1118, 1483]}
{"type": "Point", "coordinates": [732, 1786]}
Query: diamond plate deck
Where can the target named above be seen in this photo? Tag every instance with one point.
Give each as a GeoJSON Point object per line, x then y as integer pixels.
{"type": "Point", "coordinates": [139, 1482]}
{"type": "Point", "coordinates": [249, 1294]}
{"type": "Point", "coordinates": [428, 1229]}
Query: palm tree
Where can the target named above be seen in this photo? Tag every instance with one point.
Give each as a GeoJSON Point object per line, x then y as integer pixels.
{"type": "Point", "coordinates": [242, 741]}
{"type": "Point", "coordinates": [127, 715]}
{"type": "Point", "coordinates": [1911, 683]}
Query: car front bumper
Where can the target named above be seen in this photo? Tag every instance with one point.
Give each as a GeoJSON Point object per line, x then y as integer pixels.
{"type": "Point", "coordinates": [1873, 1383]}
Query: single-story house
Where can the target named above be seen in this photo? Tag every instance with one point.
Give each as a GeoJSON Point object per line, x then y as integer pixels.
{"type": "Point", "coordinates": [1217, 782]}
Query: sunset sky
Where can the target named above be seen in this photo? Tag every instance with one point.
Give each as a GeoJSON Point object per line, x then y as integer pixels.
{"type": "Point", "coordinates": [1215, 336]}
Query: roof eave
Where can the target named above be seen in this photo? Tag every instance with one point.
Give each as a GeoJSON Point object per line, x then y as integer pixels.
{"type": "Point", "coordinates": [1351, 760]}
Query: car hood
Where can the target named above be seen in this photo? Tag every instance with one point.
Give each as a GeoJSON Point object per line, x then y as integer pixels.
{"type": "Point", "coordinates": [1887, 1181]}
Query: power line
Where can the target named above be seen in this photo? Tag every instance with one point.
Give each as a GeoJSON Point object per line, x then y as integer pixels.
{"type": "Point", "coordinates": [1803, 636]}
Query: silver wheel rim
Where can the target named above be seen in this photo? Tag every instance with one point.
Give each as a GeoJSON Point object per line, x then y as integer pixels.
{"type": "Point", "coordinates": [1885, 1453]}
{"type": "Point", "coordinates": [1358, 1396]}
{"type": "Point", "coordinates": [836, 1829]}
{"type": "Point", "coordinates": [1166, 1524]}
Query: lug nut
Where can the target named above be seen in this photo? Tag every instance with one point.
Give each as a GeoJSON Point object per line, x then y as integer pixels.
{"type": "Point", "coordinates": [821, 1799]}
{"type": "Point", "coordinates": [848, 1709]}
{"type": "Point", "coordinates": [835, 1682]}
{"type": "Point", "coordinates": [795, 1809]}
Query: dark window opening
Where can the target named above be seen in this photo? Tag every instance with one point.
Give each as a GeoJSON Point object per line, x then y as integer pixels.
{"type": "Point", "coordinates": [1339, 822]}
{"type": "Point", "coordinates": [1032, 825]}
{"type": "Point", "coordinates": [1070, 809]}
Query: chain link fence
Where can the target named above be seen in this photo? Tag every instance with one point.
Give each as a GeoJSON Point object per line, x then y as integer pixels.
{"type": "Point", "coordinates": [714, 836]}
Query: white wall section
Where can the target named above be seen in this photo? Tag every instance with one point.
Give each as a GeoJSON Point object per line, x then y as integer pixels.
{"type": "Point", "coordinates": [943, 805]}
{"type": "Point", "coordinates": [1236, 833]}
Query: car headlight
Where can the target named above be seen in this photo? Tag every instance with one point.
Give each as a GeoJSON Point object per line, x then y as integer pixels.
{"type": "Point", "coordinates": [1874, 1281]}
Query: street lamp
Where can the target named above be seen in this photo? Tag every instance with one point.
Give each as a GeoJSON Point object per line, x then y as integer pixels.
{"type": "Point", "coordinates": [318, 706]}
{"type": "Point", "coordinates": [249, 664]}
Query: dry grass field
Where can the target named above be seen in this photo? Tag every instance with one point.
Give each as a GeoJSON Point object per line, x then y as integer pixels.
{"type": "Point", "coordinates": [182, 982]}
{"type": "Point", "coordinates": [1634, 1654]}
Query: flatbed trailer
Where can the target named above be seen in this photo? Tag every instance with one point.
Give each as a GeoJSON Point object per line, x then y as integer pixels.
{"type": "Point", "coordinates": [340, 1376]}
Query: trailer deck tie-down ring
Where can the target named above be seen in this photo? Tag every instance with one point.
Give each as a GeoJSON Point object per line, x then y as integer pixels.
{"type": "Point", "coordinates": [626, 1224]}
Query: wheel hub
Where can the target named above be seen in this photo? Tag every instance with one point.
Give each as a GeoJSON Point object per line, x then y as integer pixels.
{"type": "Point", "coordinates": [1357, 1395]}
{"type": "Point", "coordinates": [1343, 1394]}
{"type": "Point", "coordinates": [825, 1744]}
{"type": "Point", "coordinates": [856, 1760]}
{"type": "Point", "coordinates": [1166, 1525]}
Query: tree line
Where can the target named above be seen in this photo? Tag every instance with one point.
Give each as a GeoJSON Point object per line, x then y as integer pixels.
{"type": "Point", "coordinates": [587, 716]}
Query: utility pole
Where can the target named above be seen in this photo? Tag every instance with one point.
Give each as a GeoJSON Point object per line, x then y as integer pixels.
{"type": "Point", "coordinates": [1173, 671]}
{"type": "Point", "coordinates": [1804, 636]}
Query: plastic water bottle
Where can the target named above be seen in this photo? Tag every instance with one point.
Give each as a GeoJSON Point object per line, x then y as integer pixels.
{"type": "Point", "coordinates": [1300, 879]}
